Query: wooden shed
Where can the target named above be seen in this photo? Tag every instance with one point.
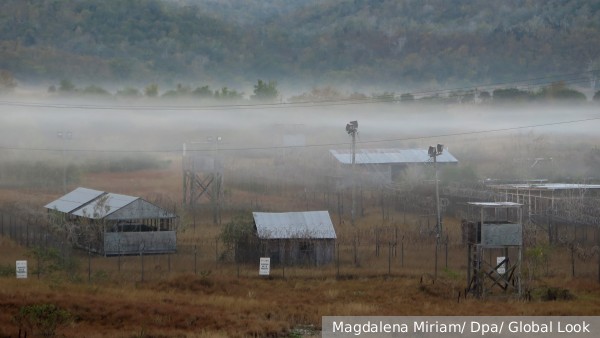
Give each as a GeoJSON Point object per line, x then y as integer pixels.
{"type": "Point", "coordinates": [113, 224]}
{"type": "Point", "coordinates": [294, 238]}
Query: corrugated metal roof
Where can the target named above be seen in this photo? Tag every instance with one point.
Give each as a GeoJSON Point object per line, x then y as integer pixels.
{"type": "Point", "coordinates": [96, 204]}
{"type": "Point", "coordinates": [496, 204]}
{"type": "Point", "coordinates": [548, 186]}
{"type": "Point", "coordinates": [105, 205]}
{"type": "Point", "coordinates": [390, 156]}
{"type": "Point", "coordinates": [74, 200]}
{"type": "Point", "coordinates": [288, 225]}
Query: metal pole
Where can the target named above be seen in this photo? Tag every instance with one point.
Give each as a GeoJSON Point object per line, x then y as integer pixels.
{"type": "Point", "coordinates": [353, 177]}
{"type": "Point", "coordinates": [438, 225]}
{"type": "Point", "coordinates": [437, 198]}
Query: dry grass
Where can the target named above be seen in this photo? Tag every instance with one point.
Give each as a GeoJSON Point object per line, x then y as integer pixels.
{"type": "Point", "coordinates": [222, 304]}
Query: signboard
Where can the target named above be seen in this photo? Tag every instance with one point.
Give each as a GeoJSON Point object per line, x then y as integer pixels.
{"type": "Point", "coordinates": [21, 269]}
{"type": "Point", "coordinates": [502, 268]}
{"type": "Point", "coordinates": [265, 266]}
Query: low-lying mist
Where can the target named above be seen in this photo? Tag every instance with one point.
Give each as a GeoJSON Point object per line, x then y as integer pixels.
{"type": "Point", "coordinates": [492, 141]}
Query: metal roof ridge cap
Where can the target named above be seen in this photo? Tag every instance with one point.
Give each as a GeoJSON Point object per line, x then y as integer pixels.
{"type": "Point", "coordinates": [88, 202]}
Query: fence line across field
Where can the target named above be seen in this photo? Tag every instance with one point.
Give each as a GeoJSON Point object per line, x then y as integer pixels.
{"type": "Point", "coordinates": [374, 251]}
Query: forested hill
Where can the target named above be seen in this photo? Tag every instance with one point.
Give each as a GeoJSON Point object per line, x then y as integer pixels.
{"type": "Point", "coordinates": [407, 43]}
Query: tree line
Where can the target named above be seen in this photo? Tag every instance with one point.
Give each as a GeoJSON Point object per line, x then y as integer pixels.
{"type": "Point", "coordinates": [267, 91]}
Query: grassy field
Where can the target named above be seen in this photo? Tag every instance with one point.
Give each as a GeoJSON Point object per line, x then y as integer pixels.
{"type": "Point", "coordinates": [196, 294]}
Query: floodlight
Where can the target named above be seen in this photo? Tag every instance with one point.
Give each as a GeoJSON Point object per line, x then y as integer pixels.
{"type": "Point", "coordinates": [351, 127]}
{"type": "Point", "coordinates": [431, 151]}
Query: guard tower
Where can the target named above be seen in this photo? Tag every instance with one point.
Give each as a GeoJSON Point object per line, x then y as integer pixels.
{"type": "Point", "coordinates": [202, 177]}
{"type": "Point", "coordinates": [494, 238]}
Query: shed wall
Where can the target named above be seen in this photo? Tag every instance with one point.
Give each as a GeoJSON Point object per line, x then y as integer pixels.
{"type": "Point", "coordinates": [150, 242]}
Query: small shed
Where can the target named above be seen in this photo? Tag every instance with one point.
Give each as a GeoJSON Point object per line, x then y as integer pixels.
{"type": "Point", "coordinates": [113, 224]}
{"type": "Point", "coordinates": [293, 238]}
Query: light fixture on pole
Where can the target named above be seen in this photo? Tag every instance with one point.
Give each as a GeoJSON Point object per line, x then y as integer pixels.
{"type": "Point", "coordinates": [352, 129]}
{"type": "Point", "coordinates": [434, 152]}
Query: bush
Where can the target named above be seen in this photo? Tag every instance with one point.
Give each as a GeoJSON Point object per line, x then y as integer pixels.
{"type": "Point", "coordinates": [7, 270]}
{"type": "Point", "coordinates": [41, 320]}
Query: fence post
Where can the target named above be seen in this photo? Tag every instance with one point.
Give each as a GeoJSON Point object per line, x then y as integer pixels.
{"type": "Point", "coordinates": [573, 261]}
{"type": "Point", "coordinates": [89, 265]}
{"type": "Point", "coordinates": [195, 260]}
{"type": "Point", "coordinates": [142, 261]}
{"type": "Point", "coordinates": [390, 259]}
{"type": "Point", "coordinates": [337, 262]}
{"type": "Point", "coordinates": [376, 242]}
{"type": "Point", "coordinates": [446, 251]}
{"type": "Point", "coordinates": [119, 256]}
{"type": "Point", "coordinates": [402, 252]}
{"type": "Point", "coordinates": [27, 234]}
{"type": "Point", "coordinates": [217, 251]}
{"type": "Point", "coordinates": [38, 263]}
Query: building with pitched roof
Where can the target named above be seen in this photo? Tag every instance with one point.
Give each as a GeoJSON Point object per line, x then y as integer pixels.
{"type": "Point", "coordinates": [113, 224]}
{"type": "Point", "coordinates": [382, 166]}
{"type": "Point", "coordinates": [293, 238]}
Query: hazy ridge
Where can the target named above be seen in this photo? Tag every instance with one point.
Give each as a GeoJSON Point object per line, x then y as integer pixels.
{"type": "Point", "coordinates": [406, 44]}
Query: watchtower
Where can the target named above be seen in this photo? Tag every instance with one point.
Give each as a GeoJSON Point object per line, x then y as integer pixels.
{"type": "Point", "coordinates": [494, 238]}
{"type": "Point", "coordinates": [202, 176]}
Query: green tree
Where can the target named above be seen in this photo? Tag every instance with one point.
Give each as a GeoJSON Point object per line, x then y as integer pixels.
{"type": "Point", "coordinates": [227, 94]}
{"type": "Point", "coordinates": [560, 91]}
{"type": "Point", "coordinates": [95, 90]}
{"type": "Point", "coordinates": [239, 237]}
{"type": "Point", "coordinates": [203, 92]}
{"type": "Point", "coordinates": [485, 96]}
{"type": "Point", "coordinates": [319, 95]}
{"type": "Point", "coordinates": [264, 91]}
{"type": "Point", "coordinates": [407, 97]}
{"type": "Point", "coordinates": [597, 96]}
{"type": "Point", "coordinates": [7, 81]}
{"type": "Point", "coordinates": [510, 95]}
{"type": "Point", "coordinates": [151, 90]}
{"type": "Point", "coordinates": [179, 91]}
{"type": "Point", "coordinates": [66, 86]}
{"type": "Point", "coordinates": [129, 92]}
{"type": "Point", "coordinates": [385, 96]}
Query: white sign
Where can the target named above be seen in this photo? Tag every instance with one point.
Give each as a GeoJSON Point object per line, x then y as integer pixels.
{"type": "Point", "coordinates": [21, 269]}
{"type": "Point", "coordinates": [265, 266]}
{"type": "Point", "coordinates": [502, 268]}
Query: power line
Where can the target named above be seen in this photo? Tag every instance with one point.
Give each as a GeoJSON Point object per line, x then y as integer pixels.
{"type": "Point", "coordinates": [457, 134]}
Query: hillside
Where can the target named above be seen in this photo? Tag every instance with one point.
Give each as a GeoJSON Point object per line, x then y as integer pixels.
{"type": "Point", "coordinates": [406, 44]}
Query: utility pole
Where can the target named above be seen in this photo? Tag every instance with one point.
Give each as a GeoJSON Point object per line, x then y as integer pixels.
{"type": "Point", "coordinates": [352, 129]}
{"type": "Point", "coordinates": [64, 136]}
{"type": "Point", "coordinates": [217, 190]}
{"type": "Point", "coordinates": [434, 152]}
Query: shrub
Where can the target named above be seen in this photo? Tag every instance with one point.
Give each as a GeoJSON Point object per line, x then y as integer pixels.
{"type": "Point", "coordinates": [41, 319]}
{"type": "Point", "coordinates": [7, 270]}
